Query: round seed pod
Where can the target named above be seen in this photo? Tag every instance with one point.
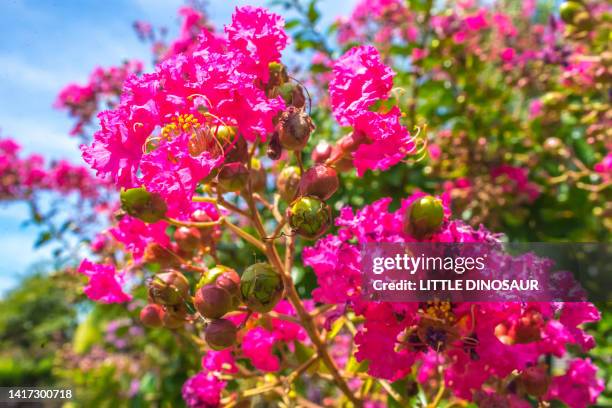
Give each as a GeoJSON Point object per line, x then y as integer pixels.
{"type": "Point", "coordinates": [319, 181]}
{"type": "Point", "coordinates": [261, 287]}
{"type": "Point", "coordinates": [152, 315]}
{"type": "Point", "coordinates": [309, 217]}
{"type": "Point", "coordinates": [220, 334]}
{"type": "Point", "coordinates": [212, 301]}
{"type": "Point", "coordinates": [424, 217]}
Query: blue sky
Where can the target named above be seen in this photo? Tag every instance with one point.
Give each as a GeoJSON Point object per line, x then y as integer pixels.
{"type": "Point", "coordinates": [45, 44]}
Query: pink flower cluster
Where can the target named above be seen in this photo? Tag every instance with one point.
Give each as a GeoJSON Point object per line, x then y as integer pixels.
{"type": "Point", "coordinates": [149, 138]}
{"type": "Point", "coordinates": [20, 177]}
{"type": "Point", "coordinates": [465, 337]}
{"type": "Point", "coordinates": [105, 284]}
{"type": "Point", "coordinates": [104, 86]}
{"type": "Point", "coordinates": [360, 81]}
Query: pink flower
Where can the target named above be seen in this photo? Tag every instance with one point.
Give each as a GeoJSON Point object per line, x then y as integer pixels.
{"type": "Point", "coordinates": [173, 172]}
{"type": "Point", "coordinates": [104, 283]}
{"type": "Point", "coordinates": [476, 22]}
{"type": "Point", "coordinates": [519, 181]}
{"type": "Point", "coordinates": [203, 390]}
{"type": "Point", "coordinates": [360, 80]}
{"type": "Point", "coordinates": [219, 361]}
{"type": "Point", "coordinates": [418, 54]}
{"type": "Point", "coordinates": [257, 345]}
{"type": "Point", "coordinates": [507, 55]}
{"type": "Point", "coordinates": [604, 167]}
{"type": "Point", "coordinates": [258, 34]}
{"type": "Point", "coordinates": [579, 387]}
{"type": "Point", "coordinates": [135, 235]}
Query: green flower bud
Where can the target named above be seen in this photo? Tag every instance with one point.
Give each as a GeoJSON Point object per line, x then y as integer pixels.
{"type": "Point", "coordinates": [294, 128]}
{"type": "Point", "coordinates": [568, 10]}
{"type": "Point", "coordinates": [139, 203]}
{"type": "Point", "coordinates": [288, 182]}
{"type": "Point", "coordinates": [261, 287]}
{"type": "Point", "coordinates": [152, 315]}
{"type": "Point", "coordinates": [309, 216]}
{"type": "Point", "coordinates": [233, 177]}
{"type": "Point", "coordinates": [424, 217]}
{"type": "Point", "coordinates": [220, 334]}
{"type": "Point", "coordinates": [319, 181]}
{"type": "Point", "coordinates": [212, 301]}
{"type": "Point", "coordinates": [170, 288]}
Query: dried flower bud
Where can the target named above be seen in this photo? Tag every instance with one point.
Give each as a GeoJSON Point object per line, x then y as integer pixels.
{"type": "Point", "coordinates": [233, 177]}
{"type": "Point", "coordinates": [535, 380]}
{"type": "Point", "coordinates": [424, 217]}
{"type": "Point", "coordinates": [212, 301]}
{"type": "Point", "coordinates": [168, 288]}
{"type": "Point", "coordinates": [274, 147]}
{"type": "Point", "coordinates": [293, 95]}
{"type": "Point", "coordinates": [294, 128]}
{"type": "Point", "coordinates": [261, 287]}
{"type": "Point", "coordinates": [188, 239]}
{"type": "Point", "coordinates": [220, 334]}
{"type": "Point", "coordinates": [152, 315]}
{"type": "Point", "coordinates": [321, 152]}
{"type": "Point", "coordinates": [319, 181]}
{"type": "Point", "coordinates": [277, 75]}
{"type": "Point", "coordinates": [258, 175]}
{"type": "Point", "coordinates": [288, 182]}
{"type": "Point", "coordinates": [139, 203]}
{"type": "Point", "coordinates": [309, 217]}
{"type": "Point", "coordinates": [236, 150]}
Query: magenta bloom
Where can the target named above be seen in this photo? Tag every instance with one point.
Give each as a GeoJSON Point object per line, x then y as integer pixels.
{"type": "Point", "coordinates": [135, 234]}
{"type": "Point", "coordinates": [360, 80]}
{"type": "Point", "coordinates": [203, 390]}
{"type": "Point", "coordinates": [579, 387]}
{"type": "Point", "coordinates": [104, 283]}
{"type": "Point", "coordinates": [258, 34]}
{"type": "Point", "coordinates": [257, 345]}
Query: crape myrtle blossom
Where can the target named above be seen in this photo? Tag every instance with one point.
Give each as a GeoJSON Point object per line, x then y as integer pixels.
{"type": "Point", "coordinates": [361, 80]}
{"type": "Point", "coordinates": [105, 284]}
{"type": "Point", "coordinates": [466, 337]}
{"type": "Point", "coordinates": [188, 97]}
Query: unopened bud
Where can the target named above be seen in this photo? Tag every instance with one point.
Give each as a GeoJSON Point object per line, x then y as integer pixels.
{"type": "Point", "coordinates": [233, 177]}
{"type": "Point", "coordinates": [294, 128]}
{"type": "Point", "coordinates": [309, 216]}
{"type": "Point", "coordinates": [288, 182]}
{"type": "Point", "coordinates": [212, 302]}
{"type": "Point", "coordinates": [152, 315]}
{"type": "Point", "coordinates": [170, 288]}
{"type": "Point", "coordinates": [351, 142]}
{"type": "Point", "coordinates": [319, 181]}
{"type": "Point", "coordinates": [261, 287]}
{"type": "Point", "coordinates": [220, 334]}
{"type": "Point", "coordinates": [141, 204]}
{"type": "Point", "coordinates": [188, 239]}
{"type": "Point", "coordinates": [321, 152]}
{"type": "Point", "coordinates": [277, 75]}
{"type": "Point", "coordinates": [424, 217]}
{"type": "Point", "coordinates": [535, 380]}
{"type": "Point", "coordinates": [569, 10]}
{"type": "Point", "coordinates": [274, 147]}
{"type": "Point", "coordinates": [159, 254]}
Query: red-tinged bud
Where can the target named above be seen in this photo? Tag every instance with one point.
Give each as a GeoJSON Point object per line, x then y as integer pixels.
{"type": "Point", "coordinates": [352, 141]}
{"type": "Point", "coordinates": [261, 287]}
{"type": "Point", "coordinates": [212, 301]}
{"type": "Point", "coordinates": [319, 181]}
{"type": "Point", "coordinates": [169, 288]}
{"type": "Point", "coordinates": [424, 217]}
{"type": "Point", "coordinates": [152, 315]}
{"type": "Point", "coordinates": [258, 175]}
{"type": "Point", "coordinates": [288, 182]}
{"type": "Point", "coordinates": [535, 380]}
{"type": "Point", "coordinates": [236, 151]}
{"type": "Point", "coordinates": [220, 334]}
{"type": "Point", "coordinates": [141, 204]}
{"type": "Point", "coordinates": [309, 217]}
{"type": "Point", "coordinates": [223, 277]}
{"type": "Point", "coordinates": [156, 253]}
{"type": "Point", "coordinates": [294, 128]}
{"type": "Point", "coordinates": [188, 239]}
{"type": "Point", "coordinates": [321, 152]}
{"type": "Point", "coordinates": [233, 177]}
